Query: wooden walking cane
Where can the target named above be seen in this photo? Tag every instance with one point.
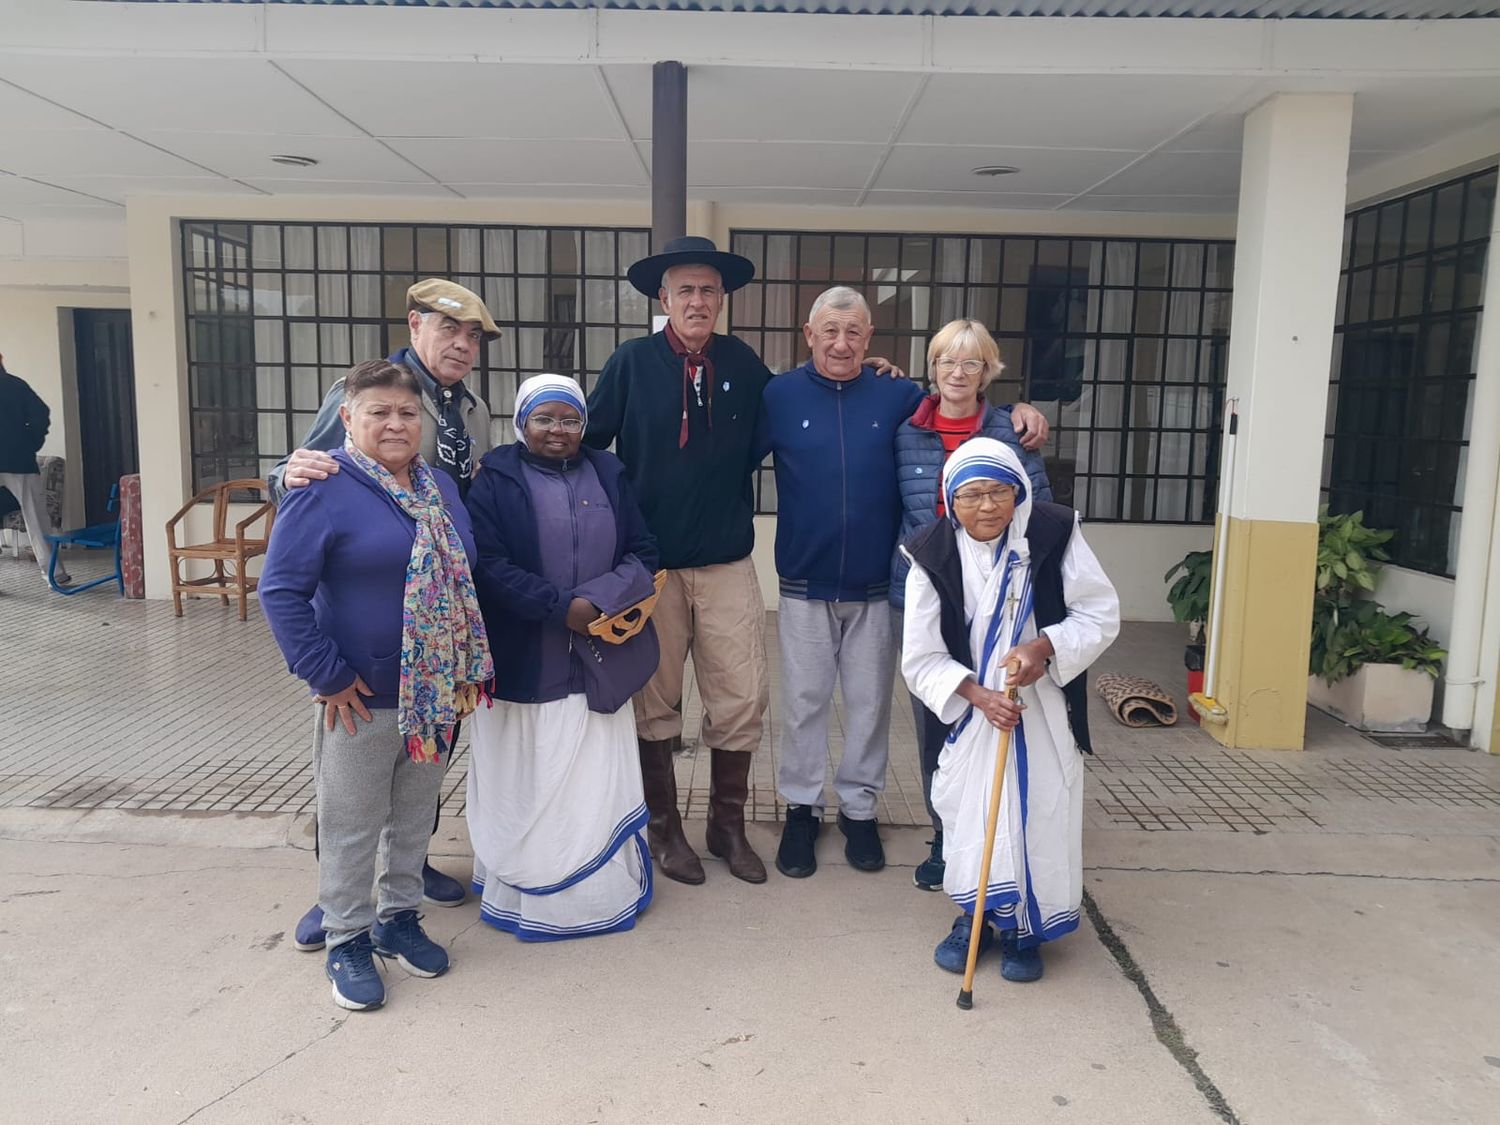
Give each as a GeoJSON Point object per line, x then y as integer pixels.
{"type": "Point", "coordinates": [991, 825]}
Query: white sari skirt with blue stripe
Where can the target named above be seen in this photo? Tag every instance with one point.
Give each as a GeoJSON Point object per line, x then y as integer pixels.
{"type": "Point", "coordinates": [557, 817]}
{"type": "Point", "coordinates": [1036, 873]}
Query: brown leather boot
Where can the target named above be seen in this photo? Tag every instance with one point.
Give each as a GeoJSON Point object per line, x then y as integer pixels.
{"type": "Point", "coordinates": [729, 790]}
{"type": "Point", "coordinates": [674, 856]}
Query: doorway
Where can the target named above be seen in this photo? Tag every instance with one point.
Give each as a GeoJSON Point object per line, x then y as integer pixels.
{"type": "Point", "coordinates": [106, 404]}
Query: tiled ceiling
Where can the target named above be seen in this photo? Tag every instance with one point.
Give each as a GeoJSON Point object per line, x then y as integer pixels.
{"type": "Point", "coordinates": [81, 132]}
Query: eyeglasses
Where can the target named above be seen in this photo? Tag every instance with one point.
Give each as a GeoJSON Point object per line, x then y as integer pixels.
{"type": "Point", "coordinates": [967, 366]}
{"type": "Point", "coordinates": [1000, 497]}
{"type": "Point", "coordinates": [546, 422]}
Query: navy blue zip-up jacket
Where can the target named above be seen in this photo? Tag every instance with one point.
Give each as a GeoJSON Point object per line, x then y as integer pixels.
{"type": "Point", "coordinates": [838, 509]}
{"type": "Point", "coordinates": [513, 596]}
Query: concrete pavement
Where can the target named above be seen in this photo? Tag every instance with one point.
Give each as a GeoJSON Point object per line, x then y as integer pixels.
{"type": "Point", "coordinates": [150, 978]}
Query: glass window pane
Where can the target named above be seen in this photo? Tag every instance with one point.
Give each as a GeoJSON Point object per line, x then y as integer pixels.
{"type": "Point", "coordinates": [849, 260]}
{"type": "Point", "coordinates": [432, 251]}
{"type": "Point", "coordinates": [265, 247]}
{"type": "Point", "coordinates": [333, 249]}
{"type": "Point", "coordinates": [814, 258]}
{"type": "Point", "coordinates": [599, 253]}
{"type": "Point", "coordinates": [1480, 209]}
{"type": "Point", "coordinates": [1391, 218]}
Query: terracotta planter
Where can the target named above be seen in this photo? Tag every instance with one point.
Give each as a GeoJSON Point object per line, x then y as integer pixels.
{"type": "Point", "coordinates": [1379, 697]}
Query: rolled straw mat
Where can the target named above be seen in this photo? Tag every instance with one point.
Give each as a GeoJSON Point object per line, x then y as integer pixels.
{"type": "Point", "coordinates": [1135, 701]}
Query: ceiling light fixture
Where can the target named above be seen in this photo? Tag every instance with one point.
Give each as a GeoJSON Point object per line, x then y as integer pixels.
{"type": "Point", "coordinates": [293, 161]}
{"type": "Point", "coordinates": [995, 170]}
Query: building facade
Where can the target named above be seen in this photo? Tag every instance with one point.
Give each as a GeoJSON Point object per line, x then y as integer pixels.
{"type": "Point", "coordinates": [1154, 213]}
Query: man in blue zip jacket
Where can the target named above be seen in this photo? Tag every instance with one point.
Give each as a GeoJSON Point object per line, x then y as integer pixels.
{"type": "Point", "coordinates": [831, 424]}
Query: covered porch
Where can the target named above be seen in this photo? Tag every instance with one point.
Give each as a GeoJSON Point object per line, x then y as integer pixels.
{"type": "Point", "coordinates": [136, 710]}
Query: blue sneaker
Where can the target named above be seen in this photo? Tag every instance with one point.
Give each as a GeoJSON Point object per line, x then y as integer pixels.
{"type": "Point", "coordinates": [309, 936]}
{"type": "Point", "coordinates": [952, 952]}
{"type": "Point", "coordinates": [1022, 966]}
{"type": "Point", "coordinates": [403, 938]}
{"type": "Point", "coordinates": [439, 889]}
{"type": "Point", "coordinates": [356, 981]}
{"type": "Point", "coordinates": [929, 873]}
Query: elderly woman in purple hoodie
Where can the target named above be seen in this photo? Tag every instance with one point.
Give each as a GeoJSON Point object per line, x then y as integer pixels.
{"type": "Point", "coordinates": [368, 592]}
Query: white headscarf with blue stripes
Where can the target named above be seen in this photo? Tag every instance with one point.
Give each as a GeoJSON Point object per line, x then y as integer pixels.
{"type": "Point", "coordinates": [984, 458]}
{"type": "Point", "coordinates": [548, 388]}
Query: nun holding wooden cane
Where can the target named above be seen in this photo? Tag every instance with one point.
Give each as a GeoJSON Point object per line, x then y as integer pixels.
{"type": "Point", "coordinates": [1007, 581]}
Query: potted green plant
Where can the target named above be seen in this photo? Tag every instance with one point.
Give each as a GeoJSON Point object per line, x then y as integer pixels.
{"type": "Point", "coordinates": [1371, 668]}
{"type": "Point", "coordinates": [1188, 597]}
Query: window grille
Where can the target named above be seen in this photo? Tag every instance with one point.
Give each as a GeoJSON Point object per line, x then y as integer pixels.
{"type": "Point", "coordinates": [277, 312]}
{"type": "Point", "coordinates": [1121, 343]}
{"type": "Point", "coordinates": [1411, 291]}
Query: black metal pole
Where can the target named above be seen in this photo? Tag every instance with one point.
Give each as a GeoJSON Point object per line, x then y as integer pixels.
{"type": "Point", "coordinates": [668, 153]}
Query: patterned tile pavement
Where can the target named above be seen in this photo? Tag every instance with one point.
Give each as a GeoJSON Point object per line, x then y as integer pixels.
{"type": "Point", "coordinates": [118, 704]}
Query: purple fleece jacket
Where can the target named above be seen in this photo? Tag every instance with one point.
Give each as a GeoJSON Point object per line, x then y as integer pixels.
{"type": "Point", "coordinates": [334, 579]}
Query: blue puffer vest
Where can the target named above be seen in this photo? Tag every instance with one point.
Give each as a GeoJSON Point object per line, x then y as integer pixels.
{"type": "Point", "coordinates": [919, 471]}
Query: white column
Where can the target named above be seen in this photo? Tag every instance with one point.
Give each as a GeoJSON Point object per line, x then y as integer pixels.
{"type": "Point", "coordinates": [1293, 186]}
{"type": "Point", "coordinates": [1476, 529]}
{"type": "Point", "coordinates": [161, 391]}
{"type": "Point", "coordinates": [1293, 183]}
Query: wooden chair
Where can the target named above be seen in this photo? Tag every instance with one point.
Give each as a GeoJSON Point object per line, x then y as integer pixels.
{"type": "Point", "coordinates": [229, 550]}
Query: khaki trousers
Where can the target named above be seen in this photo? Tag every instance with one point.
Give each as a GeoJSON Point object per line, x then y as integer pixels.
{"type": "Point", "coordinates": [715, 613]}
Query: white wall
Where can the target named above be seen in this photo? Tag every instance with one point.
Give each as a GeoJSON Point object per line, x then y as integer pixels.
{"type": "Point", "coordinates": [1423, 595]}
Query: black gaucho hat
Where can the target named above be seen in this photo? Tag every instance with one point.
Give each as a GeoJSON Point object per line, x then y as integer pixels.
{"type": "Point", "coordinates": [690, 250]}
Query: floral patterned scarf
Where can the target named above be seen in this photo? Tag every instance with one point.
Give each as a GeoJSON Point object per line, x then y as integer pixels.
{"type": "Point", "coordinates": [445, 656]}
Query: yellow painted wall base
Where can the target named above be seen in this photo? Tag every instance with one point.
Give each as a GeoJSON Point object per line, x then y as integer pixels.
{"type": "Point", "coordinates": [1266, 634]}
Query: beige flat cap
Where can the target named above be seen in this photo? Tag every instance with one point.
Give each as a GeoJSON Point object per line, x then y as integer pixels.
{"type": "Point", "coordinates": [433, 294]}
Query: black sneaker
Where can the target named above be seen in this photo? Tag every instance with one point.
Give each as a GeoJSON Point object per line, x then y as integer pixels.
{"type": "Point", "coordinates": [929, 873]}
{"type": "Point", "coordinates": [862, 843]}
{"type": "Point", "coordinates": [795, 858]}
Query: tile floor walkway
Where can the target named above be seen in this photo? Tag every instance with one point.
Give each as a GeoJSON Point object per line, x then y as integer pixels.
{"type": "Point", "coordinates": [119, 704]}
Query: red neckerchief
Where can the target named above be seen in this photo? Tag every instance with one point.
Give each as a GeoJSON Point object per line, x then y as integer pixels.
{"type": "Point", "coordinates": [691, 360]}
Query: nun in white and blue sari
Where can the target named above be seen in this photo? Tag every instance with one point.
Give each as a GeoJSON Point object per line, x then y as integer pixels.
{"type": "Point", "coordinates": [1006, 579]}
{"type": "Point", "coordinates": [556, 811]}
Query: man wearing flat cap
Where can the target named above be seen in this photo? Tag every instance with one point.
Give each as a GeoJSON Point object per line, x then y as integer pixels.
{"type": "Point", "coordinates": [681, 407]}
{"type": "Point", "coordinates": [448, 325]}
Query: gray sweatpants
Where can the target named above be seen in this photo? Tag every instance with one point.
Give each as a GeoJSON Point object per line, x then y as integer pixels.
{"type": "Point", "coordinates": [822, 642]}
{"type": "Point", "coordinates": [372, 799]}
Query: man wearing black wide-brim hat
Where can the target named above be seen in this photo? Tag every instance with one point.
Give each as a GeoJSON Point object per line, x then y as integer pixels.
{"type": "Point", "coordinates": [681, 407]}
